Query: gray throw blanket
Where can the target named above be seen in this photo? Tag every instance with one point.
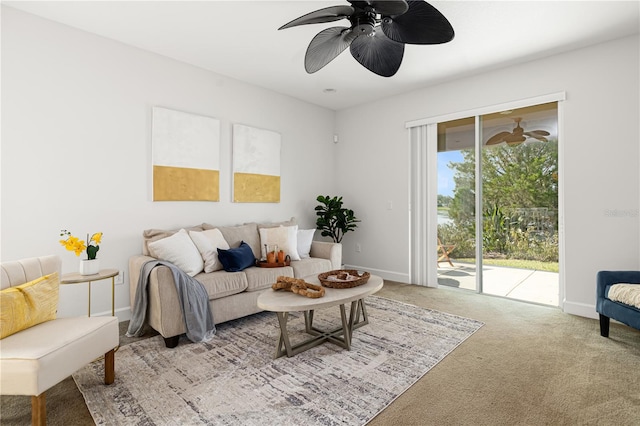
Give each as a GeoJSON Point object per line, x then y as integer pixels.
{"type": "Point", "coordinates": [194, 301]}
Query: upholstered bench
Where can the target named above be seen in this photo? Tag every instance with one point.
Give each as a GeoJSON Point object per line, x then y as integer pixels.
{"type": "Point", "coordinates": [36, 358]}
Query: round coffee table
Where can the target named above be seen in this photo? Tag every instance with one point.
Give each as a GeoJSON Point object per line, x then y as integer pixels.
{"type": "Point", "coordinates": [283, 302]}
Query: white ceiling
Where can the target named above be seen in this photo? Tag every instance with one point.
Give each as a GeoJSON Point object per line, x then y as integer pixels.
{"type": "Point", "coordinates": [239, 39]}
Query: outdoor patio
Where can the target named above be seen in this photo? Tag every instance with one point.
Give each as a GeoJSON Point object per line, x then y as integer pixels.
{"type": "Point", "coordinates": [521, 284]}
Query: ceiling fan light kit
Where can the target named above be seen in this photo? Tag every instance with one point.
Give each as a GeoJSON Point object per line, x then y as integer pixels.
{"type": "Point", "coordinates": [378, 32]}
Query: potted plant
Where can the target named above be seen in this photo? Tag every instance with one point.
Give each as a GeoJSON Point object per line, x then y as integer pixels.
{"type": "Point", "coordinates": [90, 265]}
{"type": "Point", "coordinates": [334, 220]}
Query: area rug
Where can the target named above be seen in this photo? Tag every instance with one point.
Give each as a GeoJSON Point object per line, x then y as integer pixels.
{"type": "Point", "coordinates": [234, 380]}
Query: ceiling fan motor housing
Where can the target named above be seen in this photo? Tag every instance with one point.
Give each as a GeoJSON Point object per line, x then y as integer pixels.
{"type": "Point", "coordinates": [363, 23]}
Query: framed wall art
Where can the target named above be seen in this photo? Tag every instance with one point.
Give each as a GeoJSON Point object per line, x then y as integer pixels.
{"type": "Point", "coordinates": [185, 156]}
{"type": "Point", "coordinates": [256, 165]}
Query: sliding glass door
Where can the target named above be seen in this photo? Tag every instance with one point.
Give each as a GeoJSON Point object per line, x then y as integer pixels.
{"type": "Point", "coordinates": [519, 168]}
{"type": "Point", "coordinates": [498, 203]}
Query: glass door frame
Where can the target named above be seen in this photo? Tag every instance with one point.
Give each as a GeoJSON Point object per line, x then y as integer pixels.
{"type": "Point", "coordinates": [479, 199]}
{"type": "Point", "coordinates": [423, 192]}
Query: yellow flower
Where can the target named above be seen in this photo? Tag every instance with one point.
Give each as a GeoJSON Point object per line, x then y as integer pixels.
{"type": "Point", "coordinates": [77, 245]}
{"type": "Point", "coordinates": [78, 249]}
{"type": "Point", "coordinates": [74, 244]}
{"type": "Point", "coordinates": [97, 237]}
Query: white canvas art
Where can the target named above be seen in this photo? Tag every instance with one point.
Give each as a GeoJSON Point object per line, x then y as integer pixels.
{"type": "Point", "coordinates": [256, 165]}
{"type": "Point", "coordinates": [185, 156]}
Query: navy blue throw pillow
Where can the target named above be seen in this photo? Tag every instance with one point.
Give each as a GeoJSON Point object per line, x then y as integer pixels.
{"type": "Point", "coordinates": [237, 259]}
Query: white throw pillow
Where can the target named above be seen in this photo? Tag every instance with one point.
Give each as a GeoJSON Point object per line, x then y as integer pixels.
{"type": "Point", "coordinates": [208, 242]}
{"type": "Point", "coordinates": [305, 237]}
{"type": "Point", "coordinates": [286, 237]}
{"type": "Point", "coordinates": [179, 250]}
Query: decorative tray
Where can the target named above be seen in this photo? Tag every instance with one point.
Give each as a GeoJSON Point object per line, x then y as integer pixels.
{"type": "Point", "coordinates": [265, 264]}
{"type": "Point", "coordinates": [343, 278]}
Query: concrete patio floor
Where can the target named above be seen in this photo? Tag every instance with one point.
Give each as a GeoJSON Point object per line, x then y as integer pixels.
{"type": "Point", "coordinates": [521, 284]}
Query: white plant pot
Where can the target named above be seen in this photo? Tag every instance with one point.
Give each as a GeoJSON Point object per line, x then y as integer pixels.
{"type": "Point", "coordinates": [89, 267]}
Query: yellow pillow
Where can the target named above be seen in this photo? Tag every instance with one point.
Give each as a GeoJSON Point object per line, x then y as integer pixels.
{"type": "Point", "coordinates": [28, 304]}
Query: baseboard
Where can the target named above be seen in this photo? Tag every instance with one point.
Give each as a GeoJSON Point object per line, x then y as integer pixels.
{"type": "Point", "coordinates": [123, 314]}
{"type": "Point", "coordinates": [580, 309]}
{"type": "Point", "coordinates": [386, 275]}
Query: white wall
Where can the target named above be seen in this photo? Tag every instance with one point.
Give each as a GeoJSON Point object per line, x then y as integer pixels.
{"type": "Point", "coordinates": [599, 170]}
{"type": "Point", "coordinates": [76, 145]}
{"type": "Point", "coordinates": [76, 120]}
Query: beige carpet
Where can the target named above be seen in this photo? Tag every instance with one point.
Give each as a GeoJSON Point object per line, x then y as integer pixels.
{"type": "Point", "coordinates": [528, 365]}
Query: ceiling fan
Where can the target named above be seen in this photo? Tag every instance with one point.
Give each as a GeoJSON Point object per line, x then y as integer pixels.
{"type": "Point", "coordinates": [517, 136]}
{"type": "Point", "coordinates": [377, 35]}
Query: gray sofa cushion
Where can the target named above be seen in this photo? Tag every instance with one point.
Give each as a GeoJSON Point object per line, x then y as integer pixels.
{"type": "Point", "coordinates": [222, 283]}
{"type": "Point", "coordinates": [290, 222]}
{"type": "Point", "coordinates": [261, 278]}
{"type": "Point", "coordinates": [234, 235]}
{"type": "Point", "coordinates": [247, 233]}
{"type": "Point", "coordinates": [310, 266]}
{"type": "Point", "coordinates": [150, 235]}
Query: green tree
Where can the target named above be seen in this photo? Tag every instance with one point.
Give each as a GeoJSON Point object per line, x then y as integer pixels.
{"type": "Point", "coordinates": [522, 176]}
{"type": "Point", "coordinates": [516, 181]}
{"type": "Point", "coordinates": [514, 177]}
{"type": "Point", "coordinates": [444, 200]}
{"type": "Point", "coordinates": [462, 207]}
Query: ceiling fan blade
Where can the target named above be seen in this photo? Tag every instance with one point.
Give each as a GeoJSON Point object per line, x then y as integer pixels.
{"type": "Point", "coordinates": [538, 134]}
{"type": "Point", "coordinates": [383, 7]}
{"type": "Point", "coordinates": [328, 14]}
{"type": "Point", "coordinates": [421, 24]}
{"type": "Point", "coordinates": [497, 138]}
{"type": "Point", "coordinates": [326, 46]}
{"type": "Point", "coordinates": [514, 139]}
{"type": "Point", "coordinates": [378, 54]}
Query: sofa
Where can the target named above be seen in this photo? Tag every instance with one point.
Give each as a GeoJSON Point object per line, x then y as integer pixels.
{"type": "Point", "coordinates": [611, 303]}
{"type": "Point", "coordinates": [38, 349]}
{"type": "Point", "coordinates": [233, 291]}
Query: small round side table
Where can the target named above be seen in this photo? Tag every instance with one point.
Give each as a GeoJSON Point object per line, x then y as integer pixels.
{"type": "Point", "coordinates": [76, 278]}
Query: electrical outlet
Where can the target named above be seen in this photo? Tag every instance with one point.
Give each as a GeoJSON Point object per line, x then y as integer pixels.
{"type": "Point", "coordinates": [358, 248]}
{"type": "Point", "coordinates": [120, 277]}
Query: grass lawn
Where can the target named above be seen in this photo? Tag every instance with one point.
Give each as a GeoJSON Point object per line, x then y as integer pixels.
{"type": "Point", "coordinates": [517, 263]}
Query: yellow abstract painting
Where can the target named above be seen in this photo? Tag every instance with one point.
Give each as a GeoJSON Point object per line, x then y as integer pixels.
{"type": "Point", "coordinates": [182, 184]}
{"type": "Point", "coordinates": [185, 156]}
{"type": "Point", "coordinates": [256, 165]}
{"type": "Point", "coordinates": [253, 188]}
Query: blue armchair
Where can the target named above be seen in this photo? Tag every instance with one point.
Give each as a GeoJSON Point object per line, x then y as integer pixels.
{"type": "Point", "coordinates": [608, 308]}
